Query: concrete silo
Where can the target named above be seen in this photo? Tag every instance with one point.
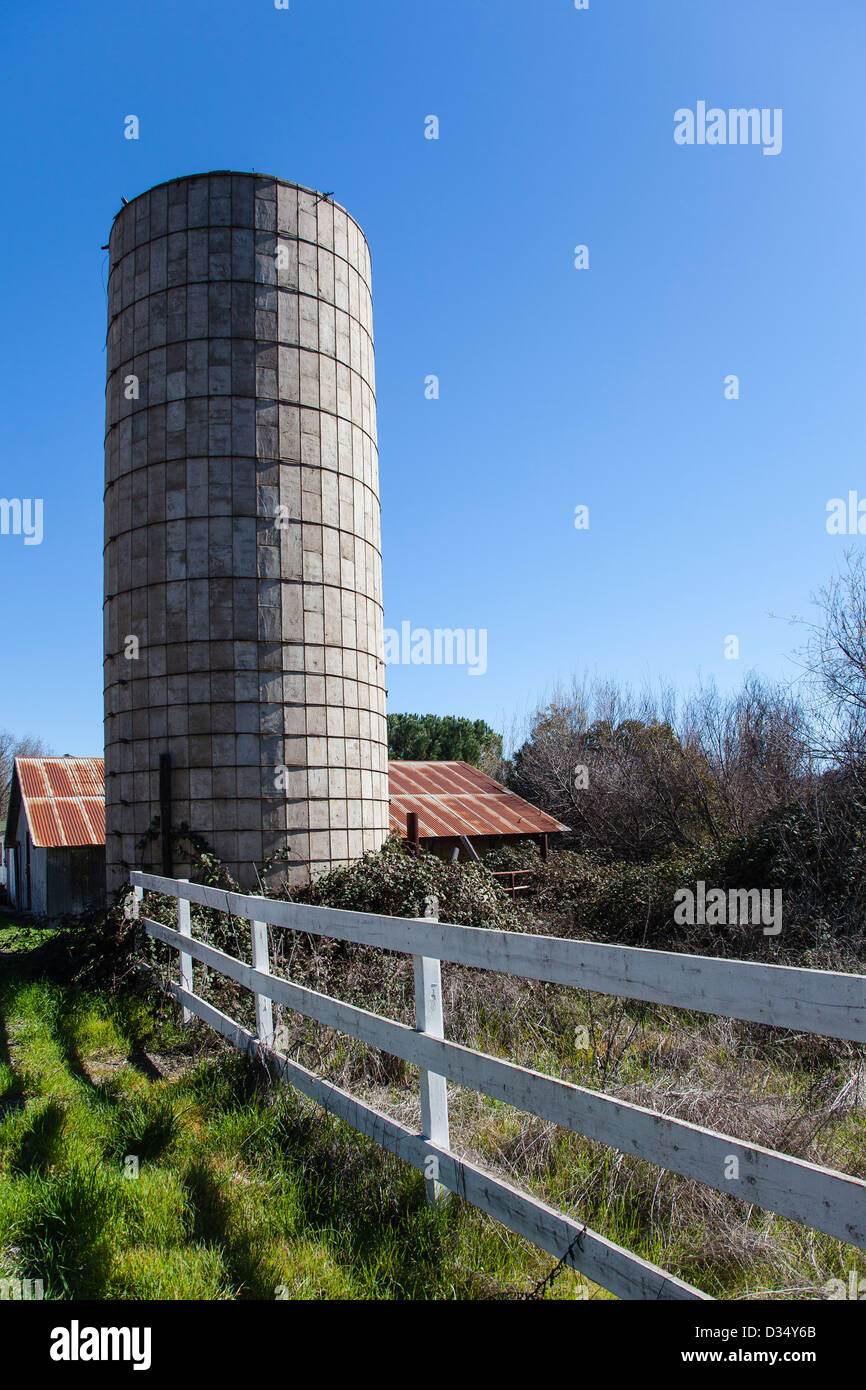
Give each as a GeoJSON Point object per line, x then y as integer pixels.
{"type": "Point", "coordinates": [244, 674]}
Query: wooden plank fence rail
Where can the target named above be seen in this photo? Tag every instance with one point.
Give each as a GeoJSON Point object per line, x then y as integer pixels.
{"type": "Point", "coordinates": [808, 1000]}
{"type": "Point", "coordinates": [825, 1002]}
{"type": "Point", "coordinates": [587, 1252]}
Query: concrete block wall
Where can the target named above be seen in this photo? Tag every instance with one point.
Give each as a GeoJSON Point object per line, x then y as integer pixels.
{"type": "Point", "coordinates": [242, 536]}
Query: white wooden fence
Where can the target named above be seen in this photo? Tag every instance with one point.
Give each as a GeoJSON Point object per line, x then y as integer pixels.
{"type": "Point", "coordinates": [808, 1001]}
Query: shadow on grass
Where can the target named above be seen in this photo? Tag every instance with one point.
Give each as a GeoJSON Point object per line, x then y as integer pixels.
{"type": "Point", "coordinates": [66, 1237]}
{"type": "Point", "coordinates": [139, 1060]}
{"type": "Point", "coordinates": [373, 1209]}
{"type": "Point", "coordinates": [367, 1208]}
{"type": "Point", "coordinates": [63, 1030]}
{"type": "Point", "coordinates": [214, 1224]}
{"type": "Point", "coordinates": [145, 1127]}
{"type": "Point", "coordinates": [12, 1093]}
{"type": "Point", "coordinates": [42, 1143]}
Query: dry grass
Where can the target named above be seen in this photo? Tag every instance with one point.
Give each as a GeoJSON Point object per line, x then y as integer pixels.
{"type": "Point", "coordinates": [795, 1093]}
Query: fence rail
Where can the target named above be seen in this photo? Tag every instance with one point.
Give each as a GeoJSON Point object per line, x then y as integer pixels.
{"type": "Point", "coordinates": [812, 1001]}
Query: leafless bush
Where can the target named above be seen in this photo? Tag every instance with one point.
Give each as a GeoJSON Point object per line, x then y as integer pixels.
{"type": "Point", "coordinates": [636, 778]}
{"type": "Point", "coordinates": [834, 657]}
{"type": "Point", "coordinates": [756, 747]}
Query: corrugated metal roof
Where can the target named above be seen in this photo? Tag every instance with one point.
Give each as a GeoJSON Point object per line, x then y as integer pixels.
{"type": "Point", "coordinates": [64, 800]}
{"type": "Point", "coordinates": [456, 799]}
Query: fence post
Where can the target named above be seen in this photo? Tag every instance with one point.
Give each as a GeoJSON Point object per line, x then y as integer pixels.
{"type": "Point", "coordinates": [132, 904]}
{"type": "Point", "coordinates": [428, 1019]}
{"type": "Point", "coordinates": [184, 927]}
{"type": "Point", "coordinates": [264, 1006]}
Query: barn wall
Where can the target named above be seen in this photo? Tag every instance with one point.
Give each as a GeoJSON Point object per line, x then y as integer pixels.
{"type": "Point", "coordinates": [38, 880]}
{"type": "Point", "coordinates": [11, 881]}
{"type": "Point", "coordinates": [75, 879]}
{"type": "Point", "coordinates": [64, 879]}
{"type": "Point", "coordinates": [20, 850]}
{"type": "Point", "coordinates": [444, 847]}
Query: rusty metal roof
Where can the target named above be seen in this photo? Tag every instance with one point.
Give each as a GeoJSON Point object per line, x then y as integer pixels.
{"type": "Point", "coordinates": [64, 800]}
{"type": "Point", "coordinates": [454, 799]}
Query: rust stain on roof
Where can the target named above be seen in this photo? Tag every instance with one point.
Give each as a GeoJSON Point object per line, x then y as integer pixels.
{"type": "Point", "coordinates": [64, 800]}
{"type": "Point", "coordinates": [457, 799]}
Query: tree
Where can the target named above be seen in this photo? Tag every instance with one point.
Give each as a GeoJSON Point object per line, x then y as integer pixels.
{"type": "Point", "coordinates": [757, 746]}
{"type": "Point", "coordinates": [624, 783]}
{"type": "Point", "coordinates": [835, 657]}
{"type": "Point", "coordinates": [638, 778]}
{"type": "Point", "coordinates": [12, 747]}
{"type": "Point", "coordinates": [442, 738]}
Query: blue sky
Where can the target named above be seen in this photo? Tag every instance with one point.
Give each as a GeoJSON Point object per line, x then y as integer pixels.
{"type": "Point", "coordinates": [558, 387]}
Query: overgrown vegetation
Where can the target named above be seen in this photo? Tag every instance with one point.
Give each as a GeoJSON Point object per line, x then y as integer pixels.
{"type": "Point", "coordinates": [396, 882]}
{"type": "Point", "coordinates": [762, 789]}
{"type": "Point", "coordinates": [245, 1191]}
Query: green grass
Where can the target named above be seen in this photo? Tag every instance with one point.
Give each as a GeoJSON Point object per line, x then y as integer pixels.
{"type": "Point", "coordinates": [207, 1185]}
{"type": "Point", "coordinates": [204, 1182]}
{"type": "Point", "coordinates": [16, 936]}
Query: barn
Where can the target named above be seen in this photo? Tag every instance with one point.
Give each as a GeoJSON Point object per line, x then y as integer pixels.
{"type": "Point", "coordinates": [457, 811]}
{"type": "Point", "coordinates": [54, 849]}
{"type": "Point", "coordinates": [54, 845]}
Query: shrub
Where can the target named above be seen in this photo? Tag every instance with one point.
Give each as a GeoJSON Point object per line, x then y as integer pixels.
{"type": "Point", "coordinates": [524, 854]}
{"type": "Point", "coordinates": [394, 882]}
{"type": "Point", "coordinates": [818, 867]}
{"type": "Point", "coordinates": [632, 903]}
